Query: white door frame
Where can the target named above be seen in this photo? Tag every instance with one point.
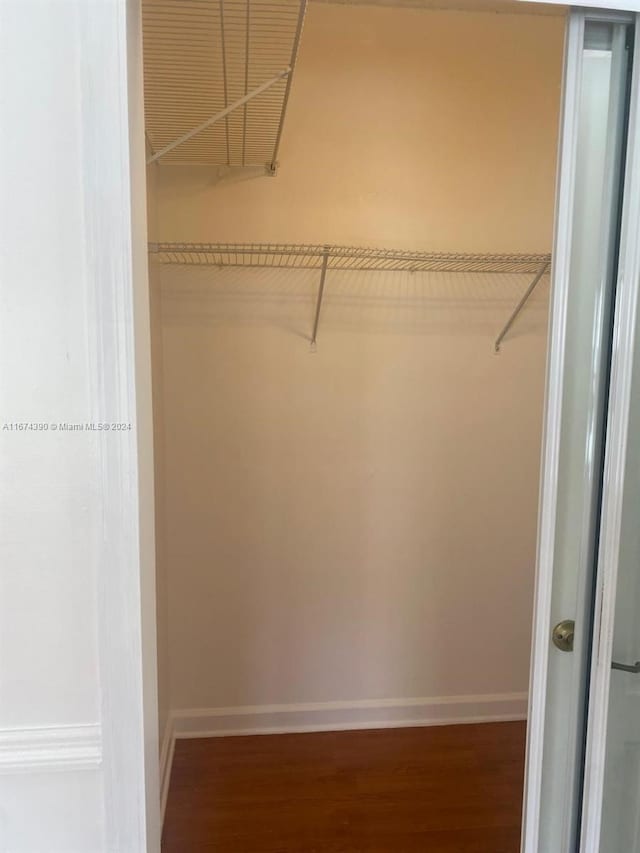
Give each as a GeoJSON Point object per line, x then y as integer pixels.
{"type": "Point", "coordinates": [110, 53]}
{"type": "Point", "coordinates": [552, 433]}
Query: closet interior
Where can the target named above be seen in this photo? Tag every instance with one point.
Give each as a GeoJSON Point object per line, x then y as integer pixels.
{"type": "Point", "coordinates": [350, 210]}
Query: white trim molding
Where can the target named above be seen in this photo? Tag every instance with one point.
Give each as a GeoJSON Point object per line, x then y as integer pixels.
{"type": "Point", "coordinates": [50, 749]}
{"type": "Point", "coordinates": [166, 761]}
{"type": "Point", "coordinates": [113, 179]}
{"type": "Point", "coordinates": [337, 716]}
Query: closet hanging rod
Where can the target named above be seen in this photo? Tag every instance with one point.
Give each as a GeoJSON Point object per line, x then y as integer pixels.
{"type": "Point", "coordinates": [309, 256]}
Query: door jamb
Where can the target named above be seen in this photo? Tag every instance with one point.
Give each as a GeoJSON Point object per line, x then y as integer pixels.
{"type": "Point", "coordinates": [548, 501]}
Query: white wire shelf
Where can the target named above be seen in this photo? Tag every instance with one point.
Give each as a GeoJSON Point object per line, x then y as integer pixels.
{"type": "Point", "coordinates": [342, 258]}
{"type": "Point", "coordinates": [327, 257]}
{"type": "Point", "coordinates": [201, 57]}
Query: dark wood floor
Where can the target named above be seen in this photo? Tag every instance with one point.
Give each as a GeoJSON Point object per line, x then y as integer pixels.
{"type": "Point", "coordinates": [451, 789]}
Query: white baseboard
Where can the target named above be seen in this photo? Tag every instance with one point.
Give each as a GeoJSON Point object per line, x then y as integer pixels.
{"type": "Point", "coordinates": [50, 748]}
{"type": "Point", "coordinates": [336, 716]}
{"type": "Point", "coordinates": [166, 760]}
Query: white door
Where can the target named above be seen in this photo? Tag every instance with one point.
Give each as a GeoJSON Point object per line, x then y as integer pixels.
{"type": "Point", "coordinates": [611, 812]}
{"type": "Point", "coordinates": [595, 109]}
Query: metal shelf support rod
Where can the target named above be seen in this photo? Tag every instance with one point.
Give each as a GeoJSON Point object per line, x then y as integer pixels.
{"type": "Point", "coordinates": [323, 276]}
{"type": "Point", "coordinates": [218, 116]}
{"type": "Point", "coordinates": [294, 55]}
{"type": "Point", "coordinates": [520, 305]}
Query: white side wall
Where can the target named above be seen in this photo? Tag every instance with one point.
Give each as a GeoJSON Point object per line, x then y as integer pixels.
{"type": "Point", "coordinates": [357, 526]}
{"type": "Point", "coordinates": [48, 615]}
{"type": "Point", "coordinates": [76, 513]}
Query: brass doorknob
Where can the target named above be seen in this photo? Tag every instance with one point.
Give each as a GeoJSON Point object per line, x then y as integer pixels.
{"type": "Point", "coordinates": [562, 635]}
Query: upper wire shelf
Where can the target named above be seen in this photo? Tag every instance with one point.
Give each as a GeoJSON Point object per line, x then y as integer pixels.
{"type": "Point", "coordinates": [217, 77]}
{"type": "Point", "coordinates": [343, 258]}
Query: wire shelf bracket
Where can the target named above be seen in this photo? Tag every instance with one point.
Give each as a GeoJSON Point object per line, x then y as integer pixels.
{"type": "Point", "coordinates": [316, 321]}
{"type": "Point", "coordinates": [272, 168]}
{"type": "Point", "coordinates": [525, 298]}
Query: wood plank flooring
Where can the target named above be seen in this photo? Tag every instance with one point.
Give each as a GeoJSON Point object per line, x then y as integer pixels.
{"type": "Point", "coordinates": [449, 789]}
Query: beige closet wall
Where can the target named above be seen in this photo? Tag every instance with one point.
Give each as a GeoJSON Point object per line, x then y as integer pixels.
{"type": "Point", "coordinates": [360, 523]}
{"type": "Point", "coordinates": [406, 128]}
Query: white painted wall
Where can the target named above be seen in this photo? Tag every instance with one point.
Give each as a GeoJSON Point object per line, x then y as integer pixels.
{"type": "Point", "coordinates": [76, 532]}
{"type": "Point", "coordinates": [49, 515]}
{"type": "Point", "coordinates": [358, 526]}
